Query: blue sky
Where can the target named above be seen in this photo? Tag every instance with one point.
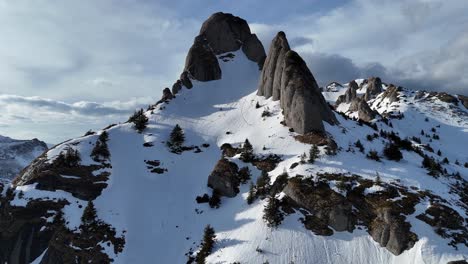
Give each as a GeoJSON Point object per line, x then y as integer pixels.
{"type": "Point", "coordinates": [84, 64]}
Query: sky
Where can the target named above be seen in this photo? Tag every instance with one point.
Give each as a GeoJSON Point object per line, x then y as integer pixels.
{"type": "Point", "coordinates": [70, 66]}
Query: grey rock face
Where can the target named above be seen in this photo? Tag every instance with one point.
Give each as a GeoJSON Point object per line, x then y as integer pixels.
{"type": "Point", "coordinates": [185, 80]}
{"type": "Point", "coordinates": [349, 95]}
{"type": "Point", "coordinates": [364, 111]}
{"type": "Point", "coordinates": [285, 77]}
{"type": "Point", "coordinates": [327, 205]}
{"type": "Point", "coordinates": [391, 93]}
{"type": "Point", "coordinates": [201, 62]}
{"type": "Point", "coordinates": [390, 232]}
{"type": "Point", "coordinates": [464, 100]}
{"type": "Point", "coordinates": [374, 88]}
{"type": "Point", "coordinates": [270, 78]}
{"type": "Point", "coordinates": [224, 178]}
{"type": "Point", "coordinates": [167, 94]}
{"type": "Point", "coordinates": [227, 33]}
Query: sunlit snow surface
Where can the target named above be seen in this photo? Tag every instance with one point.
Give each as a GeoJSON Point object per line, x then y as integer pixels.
{"type": "Point", "coordinates": [159, 212]}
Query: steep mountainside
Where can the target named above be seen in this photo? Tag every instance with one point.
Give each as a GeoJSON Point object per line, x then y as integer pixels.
{"type": "Point", "coordinates": [343, 191]}
{"type": "Point", "coordinates": [15, 155]}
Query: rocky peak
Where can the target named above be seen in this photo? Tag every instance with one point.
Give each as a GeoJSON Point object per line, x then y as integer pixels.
{"type": "Point", "coordinates": [362, 107]}
{"type": "Point", "coordinates": [286, 77]}
{"type": "Point", "coordinates": [391, 93]}
{"type": "Point", "coordinates": [374, 87]}
{"type": "Point", "coordinates": [349, 95]}
{"type": "Point", "coordinates": [220, 33]}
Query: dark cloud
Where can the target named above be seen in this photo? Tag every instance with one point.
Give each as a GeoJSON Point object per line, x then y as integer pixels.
{"type": "Point", "coordinates": [333, 67]}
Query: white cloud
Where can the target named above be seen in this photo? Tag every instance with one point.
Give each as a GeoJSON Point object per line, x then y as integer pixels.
{"type": "Point", "coordinates": [55, 121]}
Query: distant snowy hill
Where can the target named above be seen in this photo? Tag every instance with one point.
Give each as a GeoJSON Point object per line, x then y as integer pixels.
{"type": "Point", "coordinates": [388, 189]}
{"type": "Point", "coordinates": [15, 155]}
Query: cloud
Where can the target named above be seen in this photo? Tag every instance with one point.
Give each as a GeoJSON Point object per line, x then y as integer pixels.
{"type": "Point", "coordinates": [28, 117]}
{"type": "Point", "coordinates": [421, 44]}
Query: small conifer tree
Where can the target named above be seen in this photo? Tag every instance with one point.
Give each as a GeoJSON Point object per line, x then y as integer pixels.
{"type": "Point", "coordinates": [313, 153]}
{"type": "Point", "coordinates": [271, 213]}
{"type": "Point", "coordinates": [251, 195]}
{"type": "Point", "coordinates": [176, 139]}
{"type": "Point", "coordinates": [207, 245]}
{"type": "Point", "coordinates": [247, 154]}
{"type": "Point", "coordinates": [215, 199]}
{"type": "Point", "coordinates": [139, 119]}
{"type": "Point", "coordinates": [263, 184]}
{"type": "Point", "coordinates": [100, 151]}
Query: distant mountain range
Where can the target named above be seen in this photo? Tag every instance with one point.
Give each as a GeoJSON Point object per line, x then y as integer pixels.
{"type": "Point", "coordinates": [15, 155]}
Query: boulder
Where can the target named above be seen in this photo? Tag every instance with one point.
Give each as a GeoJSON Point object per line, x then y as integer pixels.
{"type": "Point", "coordinates": [374, 87]}
{"type": "Point", "coordinates": [176, 87]}
{"type": "Point", "coordinates": [286, 77]}
{"type": "Point", "coordinates": [224, 178]}
{"type": "Point", "coordinates": [167, 95]}
{"type": "Point", "coordinates": [185, 80]}
{"type": "Point", "coordinates": [365, 113]}
{"type": "Point", "coordinates": [391, 231]}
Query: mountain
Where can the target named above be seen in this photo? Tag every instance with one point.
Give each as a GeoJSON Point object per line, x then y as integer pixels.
{"type": "Point", "coordinates": [248, 144]}
{"type": "Point", "coordinates": [15, 155]}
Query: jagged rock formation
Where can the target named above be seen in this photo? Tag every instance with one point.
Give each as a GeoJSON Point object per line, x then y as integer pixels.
{"type": "Point", "coordinates": [363, 109]}
{"type": "Point", "coordinates": [349, 95]}
{"type": "Point", "coordinates": [386, 220]}
{"type": "Point", "coordinates": [391, 93]}
{"type": "Point", "coordinates": [16, 154]}
{"type": "Point", "coordinates": [374, 87]}
{"type": "Point", "coordinates": [286, 77]}
{"type": "Point", "coordinates": [224, 178]}
{"type": "Point", "coordinates": [220, 33]}
{"type": "Point", "coordinates": [464, 100]}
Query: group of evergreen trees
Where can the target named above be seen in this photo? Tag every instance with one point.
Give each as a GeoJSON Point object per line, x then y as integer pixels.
{"type": "Point", "coordinates": [314, 154]}
{"type": "Point", "coordinates": [100, 151]}
{"type": "Point", "coordinates": [272, 214]}
{"type": "Point", "coordinates": [68, 158]}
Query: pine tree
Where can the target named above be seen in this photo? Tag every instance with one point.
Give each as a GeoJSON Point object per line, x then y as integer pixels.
{"type": "Point", "coordinates": [313, 153]}
{"type": "Point", "coordinates": [139, 119]}
{"type": "Point", "coordinates": [100, 151]}
{"type": "Point", "coordinates": [89, 217]}
{"type": "Point", "coordinates": [247, 152]}
{"type": "Point", "coordinates": [207, 245]}
{"type": "Point", "coordinates": [176, 139]}
{"type": "Point", "coordinates": [359, 145]}
{"type": "Point", "coordinates": [251, 195]}
{"type": "Point", "coordinates": [392, 152]}
{"type": "Point", "coordinates": [271, 213]}
{"type": "Point", "coordinates": [439, 153]}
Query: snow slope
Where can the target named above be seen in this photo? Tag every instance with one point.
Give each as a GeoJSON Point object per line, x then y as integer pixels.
{"type": "Point", "coordinates": [161, 221]}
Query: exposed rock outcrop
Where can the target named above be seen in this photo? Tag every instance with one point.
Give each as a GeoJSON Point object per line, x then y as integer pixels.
{"type": "Point", "coordinates": [391, 93]}
{"type": "Point", "coordinates": [349, 95]}
{"type": "Point", "coordinates": [384, 216]}
{"type": "Point", "coordinates": [225, 178]}
{"type": "Point", "coordinates": [374, 87]}
{"type": "Point", "coordinates": [220, 33]}
{"type": "Point", "coordinates": [329, 207]}
{"type": "Point", "coordinates": [364, 111]}
{"type": "Point", "coordinates": [201, 63]}
{"type": "Point", "coordinates": [286, 77]}
{"type": "Point", "coordinates": [464, 100]}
